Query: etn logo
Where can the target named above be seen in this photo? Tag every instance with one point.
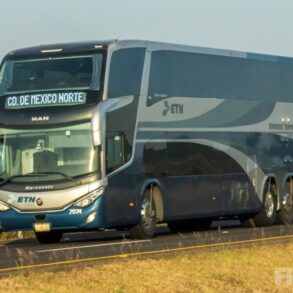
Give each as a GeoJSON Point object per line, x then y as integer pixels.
{"type": "Point", "coordinates": [172, 109]}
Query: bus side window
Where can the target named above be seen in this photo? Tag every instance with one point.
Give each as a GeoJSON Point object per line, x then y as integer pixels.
{"type": "Point", "coordinates": [115, 152]}
{"type": "Point", "coordinates": [155, 159]}
{"type": "Point", "coordinates": [126, 72]}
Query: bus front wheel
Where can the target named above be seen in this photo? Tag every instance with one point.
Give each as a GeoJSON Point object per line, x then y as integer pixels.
{"type": "Point", "coordinates": [147, 223]}
{"type": "Point", "coordinates": [49, 237]}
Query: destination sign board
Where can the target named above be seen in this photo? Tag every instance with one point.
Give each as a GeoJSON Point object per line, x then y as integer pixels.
{"type": "Point", "coordinates": [45, 100]}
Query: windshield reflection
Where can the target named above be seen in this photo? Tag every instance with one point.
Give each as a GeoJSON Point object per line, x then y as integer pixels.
{"type": "Point", "coordinates": [53, 151]}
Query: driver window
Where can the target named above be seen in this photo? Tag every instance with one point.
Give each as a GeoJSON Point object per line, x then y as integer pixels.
{"type": "Point", "coordinates": [115, 151]}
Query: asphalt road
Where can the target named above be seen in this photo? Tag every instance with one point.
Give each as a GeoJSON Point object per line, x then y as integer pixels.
{"type": "Point", "coordinates": [85, 249]}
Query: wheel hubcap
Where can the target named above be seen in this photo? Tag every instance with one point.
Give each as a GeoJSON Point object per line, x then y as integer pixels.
{"type": "Point", "coordinates": [269, 205]}
{"type": "Point", "coordinates": [147, 213]}
{"type": "Point", "coordinates": [288, 201]}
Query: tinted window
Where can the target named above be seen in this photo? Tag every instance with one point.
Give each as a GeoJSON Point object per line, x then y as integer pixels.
{"type": "Point", "coordinates": [183, 74]}
{"type": "Point", "coordinates": [126, 72]}
{"type": "Point", "coordinates": [155, 159]}
{"type": "Point", "coordinates": [286, 76]}
{"type": "Point", "coordinates": [255, 79]}
{"type": "Point", "coordinates": [51, 73]}
{"type": "Point", "coordinates": [195, 159]}
{"type": "Point", "coordinates": [117, 150]}
{"type": "Point", "coordinates": [176, 74]}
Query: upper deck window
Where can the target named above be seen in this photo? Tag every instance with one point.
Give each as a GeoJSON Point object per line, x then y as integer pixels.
{"type": "Point", "coordinates": [186, 74]}
{"type": "Point", "coordinates": [126, 72]}
{"type": "Point", "coordinates": [55, 73]}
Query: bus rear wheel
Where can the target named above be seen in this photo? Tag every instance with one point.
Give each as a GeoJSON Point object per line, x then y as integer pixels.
{"type": "Point", "coordinates": [268, 214]}
{"type": "Point", "coordinates": [285, 215]}
{"type": "Point", "coordinates": [147, 223]}
{"type": "Point", "coordinates": [49, 237]}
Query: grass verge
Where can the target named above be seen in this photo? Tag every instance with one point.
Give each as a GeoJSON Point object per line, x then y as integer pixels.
{"type": "Point", "coordinates": [267, 268]}
{"type": "Point", "coordinates": [16, 235]}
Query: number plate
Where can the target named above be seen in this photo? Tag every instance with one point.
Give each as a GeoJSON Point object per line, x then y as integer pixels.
{"type": "Point", "coordinates": [42, 227]}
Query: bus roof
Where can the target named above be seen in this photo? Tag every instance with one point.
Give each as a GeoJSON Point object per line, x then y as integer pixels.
{"type": "Point", "coordinates": [92, 46]}
{"type": "Point", "coordinates": [66, 48]}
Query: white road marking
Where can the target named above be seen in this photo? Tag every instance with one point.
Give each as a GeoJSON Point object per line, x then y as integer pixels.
{"type": "Point", "coordinates": [89, 246]}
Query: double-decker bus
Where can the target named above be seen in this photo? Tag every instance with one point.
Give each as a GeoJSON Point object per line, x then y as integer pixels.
{"type": "Point", "coordinates": [128, 134]}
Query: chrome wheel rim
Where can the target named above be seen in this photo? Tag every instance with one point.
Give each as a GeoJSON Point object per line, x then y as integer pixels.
{"type": "Point", "coordinates": [288, 201]}
{"type": "Point", "coordinates": [147, 213]}
{"type": "Point", "coordinates": [269, 205]}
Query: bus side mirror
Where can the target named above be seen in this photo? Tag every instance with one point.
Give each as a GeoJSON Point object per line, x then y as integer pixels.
{"type": "Point", "coordinates": [97, 138]}
{"type": "Point", "coordinates": [99, 121]}
{"type": "Point", "coordinates": [99, 117]}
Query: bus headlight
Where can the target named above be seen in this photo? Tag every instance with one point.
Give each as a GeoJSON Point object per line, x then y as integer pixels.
{"type": "Point", "coordinates": [88, 199]}
{"type": "Point", "coordinates": [4, 207]}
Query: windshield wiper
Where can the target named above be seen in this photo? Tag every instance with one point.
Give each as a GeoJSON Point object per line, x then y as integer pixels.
{"type": "Point", "coordinates": [4, 181]}
{"type": "Point", "coordinates": [39, 174]}
{"type": "Point", "coordinates": [44, 173]}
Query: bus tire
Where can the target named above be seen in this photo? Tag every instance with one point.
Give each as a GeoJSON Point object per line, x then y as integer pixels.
{"type": "Point", "coordinates": [146, 227]}
{"type": "Point", "coordinates": [285, 214]}
{"type": "Point", "coordinates": [49, 237]}
{"type": "Point", "coordinates": [268, 214]}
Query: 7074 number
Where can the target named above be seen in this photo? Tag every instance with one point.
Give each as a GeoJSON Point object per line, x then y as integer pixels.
{"type": "Point", "coordinates": [75, 211]}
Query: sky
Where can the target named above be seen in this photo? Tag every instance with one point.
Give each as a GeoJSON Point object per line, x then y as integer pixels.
{"type": "Point", "coordinates": [263, 26]}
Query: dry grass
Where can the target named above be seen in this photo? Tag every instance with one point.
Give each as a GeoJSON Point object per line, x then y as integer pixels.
{"type": "Point", "coordinates": [230, 270]}
{"type": "Point", "coordinates": [16, 235]}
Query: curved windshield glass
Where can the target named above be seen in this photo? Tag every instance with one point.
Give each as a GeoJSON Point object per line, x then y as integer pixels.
{"type": "Point", "coordinates": [53, 153]}
{"type": "Point", "coordinates": [54, 73]}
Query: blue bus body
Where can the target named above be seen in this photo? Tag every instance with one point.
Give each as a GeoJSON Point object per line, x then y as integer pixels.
{"type": "Point", "coordinates": [126, 134]}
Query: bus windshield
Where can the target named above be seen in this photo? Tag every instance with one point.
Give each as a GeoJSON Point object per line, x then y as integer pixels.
{"type": "Point", "coordinates": [50, 152]}
{"type": "Point", "coordinates": [54, 73]}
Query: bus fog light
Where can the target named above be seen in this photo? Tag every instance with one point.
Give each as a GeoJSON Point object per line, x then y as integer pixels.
{"type": "Point", "coordinates": [4, 207]}
{"type": "Point", "coordinates": [91, 217]}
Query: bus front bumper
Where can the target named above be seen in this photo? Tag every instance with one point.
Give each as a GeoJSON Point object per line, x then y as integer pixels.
{"type": "Point", "coordinates": [72, 218]}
